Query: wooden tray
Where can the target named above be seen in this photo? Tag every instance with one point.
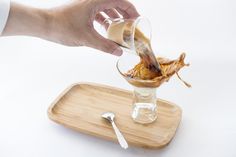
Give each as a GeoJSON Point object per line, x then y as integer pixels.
{"type": "Point", "coordinates": [80, 107]}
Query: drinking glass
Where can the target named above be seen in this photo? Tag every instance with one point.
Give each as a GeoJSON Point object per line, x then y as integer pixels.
{"type": "Point", "coordinates": [144, 94]}
{"type": "Point", "coordinates": [123, 32]}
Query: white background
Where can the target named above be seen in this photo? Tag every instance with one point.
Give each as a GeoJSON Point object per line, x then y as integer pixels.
{"type": "Point", "coordinates": [34, 72]}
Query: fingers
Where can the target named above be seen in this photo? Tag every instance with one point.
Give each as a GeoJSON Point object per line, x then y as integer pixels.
{"type": "Point", "coordinates": [99, 42]}
{"type": "Point", "coordinates": [127, 9]}
{"type": "Point", "coordinates": [101, 20]}
{"type": "Point", "coordinates": [124, 7]}
{"type": "Point", "coordinates": [112, 8]}
{"type": "Point", "coordinates": [112, 13]}
{"type": "Point", "coordinates": [123, 13]}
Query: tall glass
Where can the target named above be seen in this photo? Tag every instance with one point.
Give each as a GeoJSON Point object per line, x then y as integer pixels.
{"type": "Point", "coordinates": [144, 94]}
{"type": "Point", "coordinates": [125, 32]}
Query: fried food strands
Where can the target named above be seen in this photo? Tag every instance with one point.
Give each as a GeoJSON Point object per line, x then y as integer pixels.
{"type": "Point", "coordinates": [143, 77]}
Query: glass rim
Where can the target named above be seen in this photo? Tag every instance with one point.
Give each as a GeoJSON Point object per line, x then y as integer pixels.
{"type": "Point", "coordinates": [134, 25]}
{"type": "Point", "coordinates": [126, 77]}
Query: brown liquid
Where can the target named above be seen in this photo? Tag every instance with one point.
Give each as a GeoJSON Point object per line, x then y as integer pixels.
{"type": "Point", "coordinates": [140, 72]}
{"type": "Point", "coordinates": [145, 73]}
{"type": "Point", "coordinates": [121, 33]}
{"type": "Point", "coordinates": [145, 69]}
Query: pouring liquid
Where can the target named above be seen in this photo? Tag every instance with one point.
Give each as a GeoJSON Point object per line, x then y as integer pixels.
{"type": "Point", "coordinates": [121, 33]}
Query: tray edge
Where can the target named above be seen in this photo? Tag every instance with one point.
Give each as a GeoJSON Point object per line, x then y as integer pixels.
{"type": "Point", "coordinates": [51, 115]}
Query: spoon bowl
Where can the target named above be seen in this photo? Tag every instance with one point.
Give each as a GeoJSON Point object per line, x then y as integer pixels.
{"type": "Point", "coordinates": [110, 116]}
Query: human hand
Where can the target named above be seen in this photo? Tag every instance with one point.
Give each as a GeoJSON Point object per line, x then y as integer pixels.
{"type": "Point", "coordinates": [70, 24]}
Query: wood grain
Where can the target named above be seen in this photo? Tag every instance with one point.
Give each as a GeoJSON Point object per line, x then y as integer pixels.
{"type": "Point", "coordinates": [80, 107]}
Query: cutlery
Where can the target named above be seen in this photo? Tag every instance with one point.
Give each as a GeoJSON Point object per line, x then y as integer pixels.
{"type": "Point", "coordinates": [110, 116]}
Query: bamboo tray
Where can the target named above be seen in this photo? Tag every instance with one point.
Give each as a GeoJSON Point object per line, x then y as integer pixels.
{"type": "Point", "coordinates": [73, 106]}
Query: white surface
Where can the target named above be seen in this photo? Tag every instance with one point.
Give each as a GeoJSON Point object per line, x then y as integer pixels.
{"type": "Point", "coordinates": [4, 11]}
{"type": "Point", "coordinates": [34, 72]}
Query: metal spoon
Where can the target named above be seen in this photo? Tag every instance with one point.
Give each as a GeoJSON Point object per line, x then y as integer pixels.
{"type": "Point", "coordinates": [110, 116]}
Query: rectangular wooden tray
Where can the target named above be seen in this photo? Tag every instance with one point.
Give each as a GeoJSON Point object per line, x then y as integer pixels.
{"type": "Point", "coordinates": [80, 107]}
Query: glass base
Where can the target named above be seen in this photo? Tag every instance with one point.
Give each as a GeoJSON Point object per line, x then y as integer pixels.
{"type": "Point", "coordinates": [144, 105]}
{"type": "Point", "coordinates": [144, 113]}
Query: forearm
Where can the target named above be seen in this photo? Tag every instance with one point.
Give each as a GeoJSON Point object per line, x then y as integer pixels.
{"type": "Point", "coordinates": [70, 24]}
{"type": "Point", "coordinates": [28, 21]}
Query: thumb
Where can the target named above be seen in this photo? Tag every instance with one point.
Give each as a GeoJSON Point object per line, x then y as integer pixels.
{"type": "Point", "coordinates": [99, 42]}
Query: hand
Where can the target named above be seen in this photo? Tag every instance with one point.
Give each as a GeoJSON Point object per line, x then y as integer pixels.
{"type": "Point", "coordinates": [72, 24]}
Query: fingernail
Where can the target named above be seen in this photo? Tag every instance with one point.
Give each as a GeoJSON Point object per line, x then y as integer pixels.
{"type": "Point", "coordinates": [117, 52]}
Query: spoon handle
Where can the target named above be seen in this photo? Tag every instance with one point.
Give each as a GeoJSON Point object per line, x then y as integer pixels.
{"type": "Point", "coordinates": [120, 137]}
